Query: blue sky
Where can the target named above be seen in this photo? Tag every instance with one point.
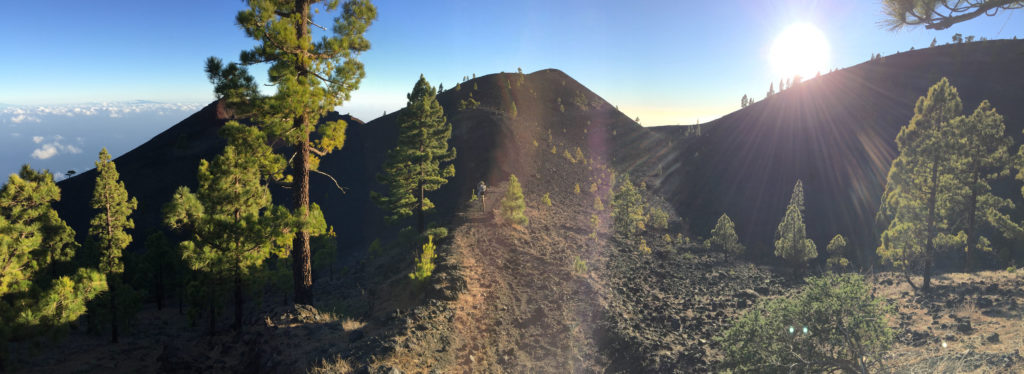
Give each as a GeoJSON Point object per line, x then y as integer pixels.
{"type": "Point", "coordinates": [666, 62]}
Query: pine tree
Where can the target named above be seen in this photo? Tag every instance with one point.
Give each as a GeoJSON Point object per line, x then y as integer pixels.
{"type": "Point", "coordinates": [425, 263]}
{"type": "Point", "coordinates": [628, 209]}
{"type": "Point", "coordinates": [921, 189]}
{"type": "Point", "coordinates": [313, 77]}
{"type": "Point", "coordinates": [835, 250]}
{"type": "Point", "coordinates": [108, 228]}
{"type": "Point", "coordinates": [414, 166]}
{"type": "Point", "coordinates": [724, 238]}
{"type": "Point", "coordinates": [598, 205]}
{"type": "Point", "coordinates": [231, 224]}
{"type": "Point", "coordinates": [791, 241]}
{"type": "Point", "coordinates": [164, 267]}
{"type": "Point", "coordinates": [933, 43]}
{"type": "Point", "coordinates": [743, 101]}
{"type": "Point", "coordinates": [512, 204]}
{"type": "Point", "coordinates": [771, 89]}
{"type": "Point", "coordinates": [35, 296]}
{"type": "Point", "coordinates": [985, 157]}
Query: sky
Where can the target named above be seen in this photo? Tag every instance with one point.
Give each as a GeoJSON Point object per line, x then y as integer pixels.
{"type": "Point", "coordinates": [666, 62]}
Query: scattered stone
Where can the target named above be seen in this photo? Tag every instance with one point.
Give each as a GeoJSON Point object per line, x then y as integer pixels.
{"type": "Point", "coordinates": [994, 338]}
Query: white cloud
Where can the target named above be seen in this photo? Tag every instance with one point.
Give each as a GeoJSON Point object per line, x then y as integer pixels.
{"type": "Point", "coordinates": [52, 149]}
{"type": "Point", "coordinates": [37, 139]}
{"type": "Point", "coordinates": [44, 152]}
{"type": "Point", "coordinates": [19, 118]}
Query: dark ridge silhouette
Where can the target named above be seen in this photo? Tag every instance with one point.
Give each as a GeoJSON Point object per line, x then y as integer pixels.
{"type": "Point", "coordinates": [490, 144]}
{"type": "Point", "coordinates": [836, 133]}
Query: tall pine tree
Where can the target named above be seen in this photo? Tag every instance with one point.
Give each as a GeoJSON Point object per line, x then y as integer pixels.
{"type": "Point", "coordinates": [34, 295]}
{"type": "Point", "coordinates": [415, 166]}
{"type": "Point", "coordinates": [921, 190]}
{"type": "Point", "coordinates": [312, 76]}
{"type": "Point", "coordinates": [108, 228]}
{"type": "Point", "coordinates": [231, 223]}
{"type": "Point", "coordinates": [984, 156]}
{"type": "Point", "coordinates": [791, 241]}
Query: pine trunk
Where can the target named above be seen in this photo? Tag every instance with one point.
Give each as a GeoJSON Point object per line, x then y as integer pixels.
{"type": "Point", "coordinates": [213, 316]}
{"type": "Point", "coordinates": [929, 248]}
{"type": "Point", "coordinates": [159, 292]}
{"type": "Point", "coordinates": [238, 300]}
{"type": "Point", "coordinates": [302, 272]}
{"type": "Point", "coordinates": [972, 236]}
{"type": "Point", "coordinates": [113, 309]}
{"type": "Point", "coordinates": [419, 211]}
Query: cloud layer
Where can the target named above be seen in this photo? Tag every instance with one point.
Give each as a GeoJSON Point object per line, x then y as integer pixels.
{"type": "Point", "coordinates": [27, 113]}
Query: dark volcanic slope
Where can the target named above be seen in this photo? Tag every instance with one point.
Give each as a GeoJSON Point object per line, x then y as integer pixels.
{"type": "Point", "coordinates": [836, 133]}
{"type": "Point", "coordinates": [490, 144]}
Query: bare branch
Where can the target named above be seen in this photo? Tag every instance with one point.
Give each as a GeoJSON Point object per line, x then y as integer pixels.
{"type": "Point", "coordinates": [332, 179]}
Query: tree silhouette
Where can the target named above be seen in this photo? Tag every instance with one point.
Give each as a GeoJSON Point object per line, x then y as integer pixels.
{"type": "Point", "coordinates": [941, 14]}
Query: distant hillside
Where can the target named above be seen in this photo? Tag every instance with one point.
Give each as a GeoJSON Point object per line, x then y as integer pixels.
{"type": "Point", "coordinates": [491, 144]}
{"type": "Point", "coordinates": [836, 133]}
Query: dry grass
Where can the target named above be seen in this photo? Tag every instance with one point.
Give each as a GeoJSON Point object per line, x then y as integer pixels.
{"type": "Point", "coordinates": [349, 324]}
{"type": "Point", "coordinates": [968, 308]}
{"type": "Point", "coordinates": [336, 365]}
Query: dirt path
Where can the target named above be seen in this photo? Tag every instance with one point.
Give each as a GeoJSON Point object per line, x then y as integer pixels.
{"type": "Point", "coordinates": [524, 310]}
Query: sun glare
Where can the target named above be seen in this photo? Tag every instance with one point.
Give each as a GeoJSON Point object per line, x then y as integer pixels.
{"type": "Point", "coordinates": [801, 49]}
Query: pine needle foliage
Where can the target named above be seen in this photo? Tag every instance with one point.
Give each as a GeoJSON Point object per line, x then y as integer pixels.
{"type": "Point", "coordinates": [313, 76]}
{"type": "Point", "coordinates": [513, 206]}
{"type": "Point", "coordinates": [832, 324]}
{"type": "Point", "coordinates": [109, 229]}
{"type": "Point", "coordinates": [421, 161]}
{"type": "Point", "coordinates": [724, 238]}
{"type": "Point", "coordinates": [425, 263]}
{"type": "Point", "coordinates": [232, 227]}
{"type": "Point", "coordinates": [35, 297]}
{"type": "Point", "coordinates": [835, 250]}
{"type": "Point", "coordinates": [921, 192]}
{"type": "Point", "coordinates": [628, 209]}
{"type": "Point", "coordinates": [791, 241]}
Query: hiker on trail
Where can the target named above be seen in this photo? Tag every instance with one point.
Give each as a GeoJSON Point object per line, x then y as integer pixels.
{"type": "Point", "coordinates": [479, 192]}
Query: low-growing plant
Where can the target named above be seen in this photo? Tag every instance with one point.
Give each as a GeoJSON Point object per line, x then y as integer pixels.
{"type": "Point", "coordinates": [375, 248]}
{"type": "Point", "coordinates": [832, 324]}
{"type": "Point", "coordinates": [546, 199]}
{"type": "Point", "coordinates": [667, 238]}
{"type": "Point", "coordinates": [659, 218]}
{"type": "Point", "coordinates": [425, 263]}
{"type": "Point", "coordinates": [554, 150]}
{"type": "Point", "coordinates": [513, 206]}
{"type": "Point", "coordinates": [598, 205]}
{"type": "Point", "coordinates": [593, 187]}
{"type": "Point", "coordinates": [576, 189]}
{"type": "Point", "coordinates": [579, 266]}
{"type": "Point", "coordinates": [643, 247]}
{"type": "Point", "coordinates": [579, 156]}
{"type": "Point", "coordinates": [1011, 269]}
{"type": "Point", "coordinates": [595, 224]}
{"type": "Point", "coordinates": [565, 153]}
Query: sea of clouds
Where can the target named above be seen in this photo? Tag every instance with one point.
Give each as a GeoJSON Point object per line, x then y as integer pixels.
{"type": "Point", "coordinates": [69, 136]}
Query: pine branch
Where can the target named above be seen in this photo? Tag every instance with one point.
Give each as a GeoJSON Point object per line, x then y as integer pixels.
{"type": "Point", "coordinates": [332, 179]}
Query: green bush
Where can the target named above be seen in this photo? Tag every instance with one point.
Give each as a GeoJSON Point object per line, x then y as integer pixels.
{"type": "Point", "coordinates": [659, 218]}
{"type": "Point", "coordinates": [546, 199]}
{"type": "Point", "coordinates": [579, 266]}
{"type": "Point", "coordinates": [512, 204]}
{"type": "Point", "coordinates": [724, 238]}
{"type": "Point", "coordinates": [832, 324]}
{"type": "Point", "coordinates": [425, 263]}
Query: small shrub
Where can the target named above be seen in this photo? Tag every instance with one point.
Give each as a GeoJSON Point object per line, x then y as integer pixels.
{"type": "Point", "coordinates": [535, 144]}
{"type": "Point", "coordinates": [835, 249]}
{"type": "Point", "coordinates": [425, 263]}
{"type": "Point", "coordinates": [565, 153]}
{"type": "Point", "coordinates": [578, 155]}
{"type": "Point", "coordinates": [375, 248]}
{"type": "Point", "coordinates": [554, 150]}
{"type": "Point", "coordinates": [579, 266]}
{"type": "Point", "coordinates": [724, 238]}
{"type": "Point", "coordinates": [593, 187]}
{"type": "Point", "coordinates": [643, 247]}
{"type": "Point", "coordinates": [832, 324]}
{"type": "Point", "coordinates": [598, 205]}
{"type": "Point", "coordinates": [472, 197]}
{"type": "Point", "coordinates": [546, 199]}
{"type": "Point", "coordinates": [512, 204]}
{"type": "Point", "coordinates": [667, 238]}
{"type": "Point", "coordinates": [659, 218]}
{"type": "Point", "coordinates": [1011, 269]}
{"type": "Point", "coordinates": [576, 189]}
{"type": "Point", "coordinates": [595, 224]}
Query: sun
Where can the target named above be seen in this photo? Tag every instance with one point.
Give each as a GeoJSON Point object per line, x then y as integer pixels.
{"type": "Point", "coordinates": [801, 49]}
